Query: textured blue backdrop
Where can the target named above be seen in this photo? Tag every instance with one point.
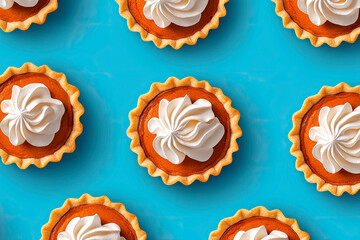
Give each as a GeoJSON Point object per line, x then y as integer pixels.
{"type": "Point", "coordinates": [262, 66]}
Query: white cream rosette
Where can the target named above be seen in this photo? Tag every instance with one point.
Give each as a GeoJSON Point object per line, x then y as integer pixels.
{"type": "Point", "coordinates": [260, 233]}
{"type": "Point", "coordinates": [185, 129]}
{"type": "Point", "coordinates": [90, 228]}
{"type": "Point", "coordinates": [183, 13]}
{"type": "Point", "coordinates": [32, 115]}
{"type": "Point", "coordinates": [337, 139]}
{"type": "Point", "coordinates": [340, 12]}
{"type": "Point", "coordinates": [6, 4]}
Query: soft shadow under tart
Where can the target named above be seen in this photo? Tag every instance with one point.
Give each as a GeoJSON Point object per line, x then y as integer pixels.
{"type": "Point", "coordinates": [189, 170]}
{"type": "Point", "coordinates": [25, 154]}
{"type": "Point", "coordinates": [307, 118]}
{"type": "Point", "coordinates": [22, 17]}
{"type": "Point", "coordinates": [245, 220]}
{"type": "Point", "coordinates": [329, 33]}
{"type": "Point", "coordinates": [87, 205]}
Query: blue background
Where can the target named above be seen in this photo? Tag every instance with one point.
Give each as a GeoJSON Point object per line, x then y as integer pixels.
{"type": "Point", "coordinates": [263, 67]}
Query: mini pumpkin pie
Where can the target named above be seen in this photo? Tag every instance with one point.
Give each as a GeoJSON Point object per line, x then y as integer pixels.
{"type": "Point", "coordinates": [184, 130]}
{"type": "Point", "coordinates": [325, 139]}
{"type": "Point", "coordinates": [39, 117]}
{"type": "Point", "coordinates": [166, 22]}
{"type": "Point", "coordinates": [92, 218]}
{"type": "Point", "coordinates": [258, 224]}
{"type": "Point", "coordinates": [22, 13]}
{"type": "Point", "coordinates": [322, 21]}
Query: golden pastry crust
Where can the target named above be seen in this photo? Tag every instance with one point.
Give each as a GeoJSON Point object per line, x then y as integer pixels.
{"type": "Point", "coordinates": [257, 212]}
{"type": "Point", "coordinates": [39, 18]}
{"type": "Point", "coordinates": [176, 44]}
{"type": "Point", "coordinates": [78, 110]}
{"type": "Point", "coordinates": [57, 214]}
{"type": "Point", "coordinates": [294, 137]}
{"type": "Point", "coordinates": [143, 101]}
{"type": "Point", "coordinates": [303, 34]}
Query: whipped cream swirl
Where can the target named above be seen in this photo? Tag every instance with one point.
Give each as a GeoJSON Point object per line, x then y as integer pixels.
{"type": "Point", "coordinates": [184, 13]}
{"type": "Point", "coordinates": [185, 129]}
{"type": "Point", "coordinates": [6, 4]}
{"type": "Point", "coordinates": [260, 233]}
{"type": "Point", "coordinates": [90, 228]}
{"type": "Point", "coordinates": [32, 115]}
{"type": "Point", "coordinates": [338, 138]}
{"type": "Point", "coordinates": [340, 12]}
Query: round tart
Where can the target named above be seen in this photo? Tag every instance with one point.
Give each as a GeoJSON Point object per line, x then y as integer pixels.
{"type": "Point", "coordinates": [39, 117]}
{"type": "Point", "coordinates": [321, 21]}
{"type": "Point", "coordinates": [325, 139]}
{"type": "Point", "coordinates": [95, 217]}
{"type": "Point", "coordinates": [22, 13]}
{"type": "Point", "coordinates": [184, 130]}
{"type": "Point", "coordinates": [166, 23]}
{"type": "Point", "coordinates": [258, 223]}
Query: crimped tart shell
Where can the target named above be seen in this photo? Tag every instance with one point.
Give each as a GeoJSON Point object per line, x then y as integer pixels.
{"type": "Point", "coordinates": [57, 214]}
{"type": "Point", "coordinates": [294, 137]}
{"type": "Point", "coordinates": [143, 101]}
{"type": "Point", "coordinates": [303, 34]}
{"type": "Point", "coordinates": [176, 44]}
{"type": "Point", "coordinates": [39, 18]}
{"type": "Point", "coordinates": [78, 110]}
{"type": "Point", "coordinates": [256, 212]}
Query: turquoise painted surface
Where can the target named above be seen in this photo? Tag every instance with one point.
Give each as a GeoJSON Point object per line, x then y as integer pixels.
{"type": "Point", "coordinates": [263, 67]}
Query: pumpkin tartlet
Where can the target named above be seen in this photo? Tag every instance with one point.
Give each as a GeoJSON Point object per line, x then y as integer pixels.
{"type": "Point", "coordinates": [22, 17]}
{"type": "Point", "coordinates": [328, 32]}
{"type": "Point", "coordinates": [245, 220]}
{"type": "Point", "coordinates": [60, 141]}
{"type": "Point", "coordinates": [166, 152]}
{"type": "Point", "coordinates": [338, 180]}
{"type": "Point", "coordinates": [87, 206]}
{"type": "Point", "coordinates": [169, 33]}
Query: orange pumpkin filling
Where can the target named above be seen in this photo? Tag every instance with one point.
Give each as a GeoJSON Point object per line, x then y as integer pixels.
{"type": "Point", "coordinates": [106, 214]}
{"type": "Point", "coordinates": [311, 119]}
{"type": "Point", "coordinates": [18, 13]}
{"type": "Point", "coordinates": [328, 29]}
{"type": "Point", "coordinates": [26, 150]}
{"type": "Point", "coordinates": [188, 166]}
{"type": "Point", "coordinates": [270, 224]}
{"type": "Point", "coordinates": [173, 31]}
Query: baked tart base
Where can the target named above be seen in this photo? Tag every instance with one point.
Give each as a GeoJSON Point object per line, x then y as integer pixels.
{"type": "Point", "coordinates": [244, 214]}
{"type": "Point", "coordinates": [86, 199]}
{"type": "Point", "coordinates": [296, 151]}
{"type": "Point", "coordinates": [143, 102]}
{"type": "Point", "coordinates": [176, 44]}
{"type": "Point", "coordinates": [39, 18]}
{"type": "Point", "coordinates": [77, 111]}
{"type": "Point", "coordinates": [316, 41]}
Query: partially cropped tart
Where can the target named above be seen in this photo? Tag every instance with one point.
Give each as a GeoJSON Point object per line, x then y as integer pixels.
{"type": "Point", "coordinates": [166, 22]}
{"type": "Point", "coordinates": [184, 130]}
{"type": "Point", "coordinates": [92, 218]}
{"type": "Point", "coordinates": [258, 224]}
{"type": "Point", "coordinates": [326, 139]}
{"type": "Point", "coordinates": [22, 13]}
{"type": "Point", "coordinates": [39, 117]}
{"type": "Point", "coordinates": [322, 21]}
